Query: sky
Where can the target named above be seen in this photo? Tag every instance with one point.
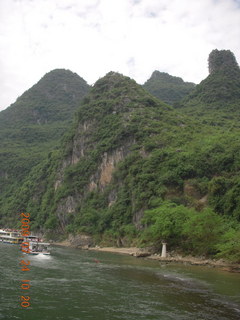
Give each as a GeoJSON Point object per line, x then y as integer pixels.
{"type": "Point", "coordinates": [93, 37]}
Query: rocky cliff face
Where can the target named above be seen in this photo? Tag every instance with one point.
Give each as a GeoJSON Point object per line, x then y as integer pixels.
{"type": "Point", "coordinates": [105, 118]}
{"type": "Point", "coordinates": [103, 176]}
{"type": "Point", "coordinates": [222, 60]}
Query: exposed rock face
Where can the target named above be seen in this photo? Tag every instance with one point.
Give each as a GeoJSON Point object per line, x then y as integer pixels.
{"type": "Point", "coordinates": [68, 206]}
{"type": "Point", "coordinates": [191, 191]}
{"type": "Point", "coordinates": [80, 141]}
{"type": "Point", "coordinates": [137, 219]}
{"type": "Point", "coordinates": [220, 60]}
{"type": "Point", "coordinates": [65, 207]}
{"type": "Point", "coordinates": [103, 176]}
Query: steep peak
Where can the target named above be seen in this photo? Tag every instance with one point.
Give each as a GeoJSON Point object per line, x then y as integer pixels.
{"type": "Point", "coordinates": [221, 89]}
{"type": "Point", "coordinates": [57, 74]}
{"type": "Point", "coordinates": [112, 82]}
{"type": "Point", "coordinates": [55, 97]}
{"type": "Point", "coordinates": [61, 79]}
{"type": "Point", "coordinates": [114, 75]}
{"type": "Point", "coordinates": [221, 60]}
{"type": "Point", "coordinates": [112, 79]}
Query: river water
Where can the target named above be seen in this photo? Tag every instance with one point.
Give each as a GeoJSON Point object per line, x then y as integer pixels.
{"type": "Point", "coordinates": [73, 284]}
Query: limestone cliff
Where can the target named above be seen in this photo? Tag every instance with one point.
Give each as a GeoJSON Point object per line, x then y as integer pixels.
{"type": "Point", "coordinates": [222, 60]}
{"type": "Point", "coordinates": [89, 184]}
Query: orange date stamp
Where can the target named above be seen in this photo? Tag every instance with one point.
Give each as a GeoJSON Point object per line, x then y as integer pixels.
{"type": "Point", "coordinates": [25, 265]}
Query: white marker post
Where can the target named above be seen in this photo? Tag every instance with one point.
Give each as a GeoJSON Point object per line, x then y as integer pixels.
{"type": "Point", "coordinates": [164, 250]}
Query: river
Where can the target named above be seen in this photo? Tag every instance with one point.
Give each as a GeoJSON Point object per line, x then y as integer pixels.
{"type": "Point", "coordinates": [72, 284]}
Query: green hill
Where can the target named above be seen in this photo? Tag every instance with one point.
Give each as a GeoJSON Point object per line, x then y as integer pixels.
{"type": "Point", "coordinates": [167, 88]}
{"type": "Point", "coordinates": [33, 125]}
{"type": "Point", "coordinates": [54, 98]}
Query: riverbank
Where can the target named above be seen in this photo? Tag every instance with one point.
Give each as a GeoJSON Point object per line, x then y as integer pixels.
{"type": "Point", "coordinates": [143, 253]}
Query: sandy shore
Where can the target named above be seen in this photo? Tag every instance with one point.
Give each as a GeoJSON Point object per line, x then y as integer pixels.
{"type": "Point", "coordinates": [132, 251]}
{"type": "Point", "coordinates": [65, 243]}
{"type": "Point", "coordinates": [129, 251]}
{"type": "Point", "coordinates": [137, 252]}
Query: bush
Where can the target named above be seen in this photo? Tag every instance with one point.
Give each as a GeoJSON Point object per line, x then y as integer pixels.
{"type": "Point", "coordinates": [202, 231]}
{"type": "Point", "coordinates": [229, 247]}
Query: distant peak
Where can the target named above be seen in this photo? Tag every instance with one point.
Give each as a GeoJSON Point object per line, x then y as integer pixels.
{"type": "Point", "coordinates": [55, 73]}
{"type": "Point", "coordinates": [60, 70]}
{"type": "Point", "coordinates": [220, 60]}
{"type": "Point", "coordinates": [114, 76]}
{"type": "Point", "coordinates": [159, 74]}
{"type": "Point", "coordinates": [166, 77]}
{"type": "Point", "coordinates": [112, 79]}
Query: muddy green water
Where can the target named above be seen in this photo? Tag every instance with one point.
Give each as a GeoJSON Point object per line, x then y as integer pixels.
{"type": "Point", "coordinates": [72, 284]}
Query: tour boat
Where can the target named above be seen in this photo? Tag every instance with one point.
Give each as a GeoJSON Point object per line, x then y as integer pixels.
{"type": "Point", "coordinates": [38, 248]}
{"type": "Point", "coordinates": [35, 246]}
{"type": "Point", "coordinates": [10, 236]}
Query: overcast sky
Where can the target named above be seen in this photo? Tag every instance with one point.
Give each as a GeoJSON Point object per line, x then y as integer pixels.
{"type": "Point", "coordinates": [93, 37]}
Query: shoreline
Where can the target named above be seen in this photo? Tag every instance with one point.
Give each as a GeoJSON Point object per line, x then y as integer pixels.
{"type": "Point", "coordinates": [142, 253]}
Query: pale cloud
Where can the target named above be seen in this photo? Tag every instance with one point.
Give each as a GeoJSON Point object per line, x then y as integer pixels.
{"type": "Point", "coordinates": [92, 37]}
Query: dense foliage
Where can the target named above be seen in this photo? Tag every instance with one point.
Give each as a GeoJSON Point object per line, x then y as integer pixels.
{"type": "Point", "coordinates": [201, 233]}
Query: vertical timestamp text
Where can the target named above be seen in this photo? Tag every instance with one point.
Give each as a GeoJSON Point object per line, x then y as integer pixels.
{"type": "Point", "coordinates": [25, 264]}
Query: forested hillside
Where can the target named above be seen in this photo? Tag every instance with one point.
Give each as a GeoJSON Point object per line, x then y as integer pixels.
{"type": "Point", "coordinates": [32, 126]}
{"type": "Point", "coordinates": [132, 170]}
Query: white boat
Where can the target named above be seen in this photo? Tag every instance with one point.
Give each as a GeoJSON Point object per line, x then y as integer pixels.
{"type": "Point", "coordinates": [36, 247]}
{"type": "Point", "coordinates": [10, 236]}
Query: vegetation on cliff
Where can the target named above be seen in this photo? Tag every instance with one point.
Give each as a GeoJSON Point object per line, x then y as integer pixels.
{"type": "Point", "coordinates": [32, 126]}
